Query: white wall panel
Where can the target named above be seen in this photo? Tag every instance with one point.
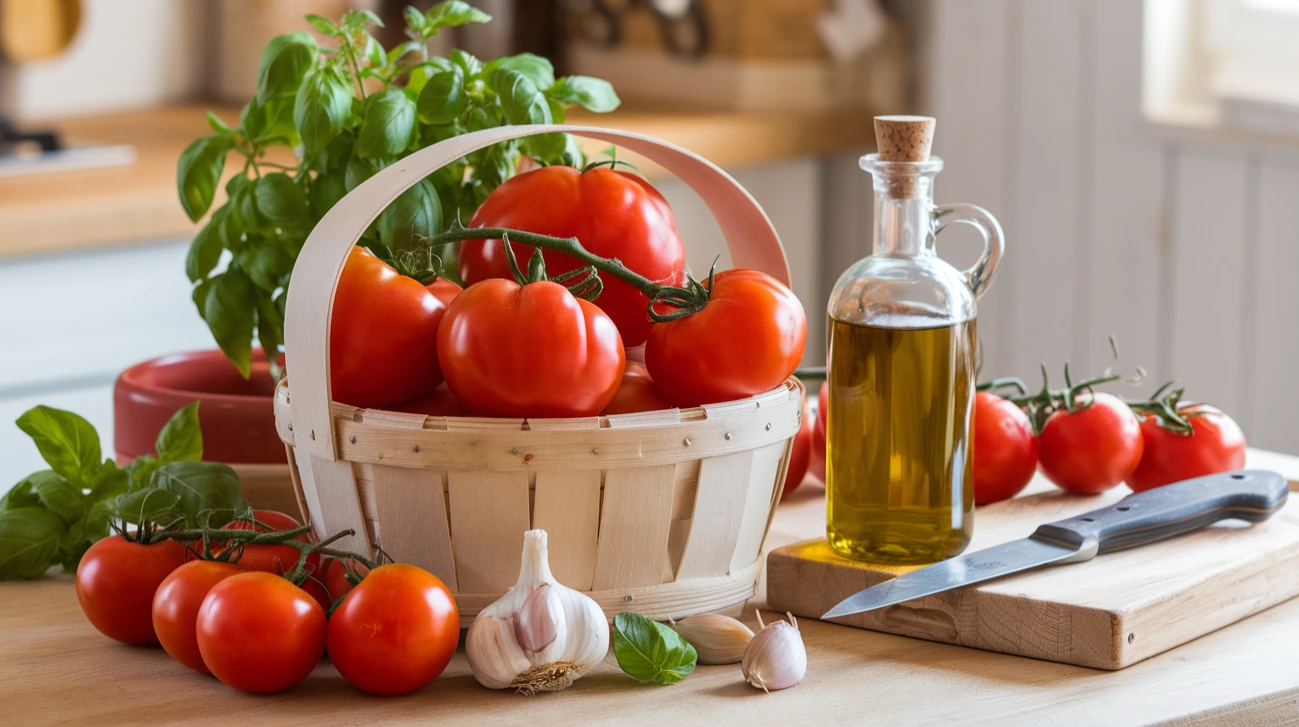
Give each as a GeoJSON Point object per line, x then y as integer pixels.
{"type": "Point", "coordinates": [1271, 388]}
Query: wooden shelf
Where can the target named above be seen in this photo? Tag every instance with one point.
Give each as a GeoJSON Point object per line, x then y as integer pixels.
{"type": "Point", "coordinates": [121, 205]}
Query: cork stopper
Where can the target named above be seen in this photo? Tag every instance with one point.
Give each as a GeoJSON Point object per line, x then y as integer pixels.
{"type": "Point", "coordinates": [904, 139]}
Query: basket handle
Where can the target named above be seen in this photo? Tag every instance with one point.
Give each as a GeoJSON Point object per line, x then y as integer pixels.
{"type": "Point", "coordinates": [750, 236]}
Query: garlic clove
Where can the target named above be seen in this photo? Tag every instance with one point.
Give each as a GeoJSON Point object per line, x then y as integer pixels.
{"type": "Point", "coordinates": [540, 635]}
{"type": "Point", "coordinates": [776, 657]}
{"type": "Point", "coordinates": [717, 639]}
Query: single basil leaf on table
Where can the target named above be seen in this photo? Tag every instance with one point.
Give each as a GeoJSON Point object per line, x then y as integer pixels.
{"type": "Point", "coordinates": [650, 652]}
{"type": "Point", "coordinates": [181, 438]}
{"type": "Point", "coordinates": [389, 121]}
{"type": "Point", "coordinates": [29, 541]}
{"type": "Point", "coordinates": [284, 62]}
{"type": "Point", "coordinates": [443, 98]}
{"type": "Point", "coordinates": [593, 94]}
{"type": "Point", "coordinates": [199, 172]}
{"type": "Point", "coordinates": [537, 69]}
{"type": "Point", "coordinates": [66, 441]}
{"type": "Point", "coordinates": [201, 487]}
{"type": "Point", "coordinates": [228, 311]}
{"type": "Point", "coordinates": [323, 102]}
{"type": "Point", "coordinates": [451, 14]}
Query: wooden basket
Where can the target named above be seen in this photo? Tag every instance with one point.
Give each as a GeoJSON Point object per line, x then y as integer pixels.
{"type": "Point", "coordinates": [663, 513]}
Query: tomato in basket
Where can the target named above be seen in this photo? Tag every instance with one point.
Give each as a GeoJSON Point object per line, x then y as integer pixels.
{"type": "Point", "coordinates": [615, 214]}
{"type": "Point", "coordinates": [637, 392]}
{"type": "Point", "coordinates": [525, 351]}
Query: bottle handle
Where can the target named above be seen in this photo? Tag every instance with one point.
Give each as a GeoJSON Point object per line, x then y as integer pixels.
{"type": "Point", "coordinates": [980, 275]}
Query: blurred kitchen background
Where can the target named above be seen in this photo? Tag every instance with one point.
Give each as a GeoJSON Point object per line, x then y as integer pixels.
{"type": "Point", "coordinates": [1143, 158]}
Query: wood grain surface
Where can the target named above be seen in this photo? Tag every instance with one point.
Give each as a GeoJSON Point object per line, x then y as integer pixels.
{"type": "Point", "coordinates": [55, 669]}
{"type": "Point", "coordinates": [121, 205]}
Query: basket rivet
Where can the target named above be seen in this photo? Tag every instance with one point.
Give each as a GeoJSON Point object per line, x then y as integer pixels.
{"type": "Point", "coordinates": [514, 451]}
{"type": "Point", "coordinates": [595, 451]}
{"type": "Point", "coordinates": [627, 598]}
{"type": "Point", "coordinates": [769, 426]}
{"type": "Point", "coordinates": [352, 439]}
{"type": "Point", "coordinates": [290, 426]}
{"type": "Point", "coordinates": [728, 436]}
{"type": "Point", "coordinates": [416, 448]}
{"type": "Point", "coordinates": [686, 441]}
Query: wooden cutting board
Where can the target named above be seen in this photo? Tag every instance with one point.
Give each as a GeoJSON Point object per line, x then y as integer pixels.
{"type": "Point", "coordinates": [1107, 613]}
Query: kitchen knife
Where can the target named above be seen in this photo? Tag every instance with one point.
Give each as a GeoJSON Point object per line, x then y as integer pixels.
{"type": "Point", "coordinates": [1145, 517]}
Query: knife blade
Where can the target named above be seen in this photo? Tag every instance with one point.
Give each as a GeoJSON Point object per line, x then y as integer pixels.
{"type": "Point", "coordinates": [1145, 517]}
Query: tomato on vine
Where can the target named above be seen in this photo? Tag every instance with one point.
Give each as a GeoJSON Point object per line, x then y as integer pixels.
{"type": "Point", "coordinates": [1214, 443]}
{"type": "Point", "coordinates": [116, 581]}
{"type": "Point", "coordinates": [1004, 450]}
{"type": "Point", "coordinates": [1092, 447]}
{"type": "Point", "coordinates": [176, 605]}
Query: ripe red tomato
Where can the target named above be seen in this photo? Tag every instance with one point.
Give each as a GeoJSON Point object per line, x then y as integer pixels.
{"type": "Point", "coordinates": [614, 213]}
{"type": "Point", "coordinates": [444, 290]}
{"type": "Point", "coordinates": [748, 339]}
{"type": "Point", "coordinates": [439, 403]}
{"type": "Point", "coordinates": [279, 559]}
{"type": "Point", "coordinates": [259, 633]}
{"type": "Point", "coordinates": [383, 338]}
{"type": "Point", "coordinates": [802, 453]}
{"type": "Point", "coordinates": [395, 632]}
{"type": "Point", "coordinates": [1091, 450]}
{"type": "Point", "coordinates": [1216, 444]}
{"type": "Point", "coordinates": [529, 351]}
{"type": "Point", "coordinates": [1004, 450]}
{"type": "Point", "coordinates": [637, 392]}
{"type": "Point", "coordinates": [336, 581]}
{"type": "Point", "coordinates": [116, 580]}
{"type": "Point", "coordinates": [816, 465]}
{"type": "Point", "coordinates": [176, 605]}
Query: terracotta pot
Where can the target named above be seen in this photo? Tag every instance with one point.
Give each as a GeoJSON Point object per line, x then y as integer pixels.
{"type": "Point", "coordinates": [237, 417]}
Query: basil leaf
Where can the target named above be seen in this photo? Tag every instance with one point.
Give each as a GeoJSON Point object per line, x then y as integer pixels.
{"type": "Point", "coordinates": [147, 505]}
{"type": "Point", "coordinates": [443, 98]}
{"type": "Point", "coordinates": [360, 20]}
{"type": "Point", "coordinates": [416, 213]}
{"type": "Point", "coordinates": [325, 26]}
{"type": "Point", "coordinates": [358, 170]}
{"type": "Point", "coordinates": [593, 94]}
{"type": "Point", "coordinates": [113, 481]}
{"type": "Point", "coordinates": [270, 324]}
{"type": "Point", "coordinates": [21, 494]}
{"type": "Point", "coordinates": [325, 192]}
{"type": "Point", "coordinates": [389, 121]}
{"type": "Point", "coordinates": [59, 496]}
{"type": "Point", "coordinates": [284, 63]}
{"type": "Point", "coordinates": [66, 441]}
{"type": "Point", "coordinates": [199, 172]}
{"type": "Point", "coordinates": [201, 487]}
{"type": "Point", "coordinates": [218, 125]}
{"type": "Point", "coordinates": [228, 309]}
{"type": "Point", "coordinates": [535, 68]}
{"type": "Point", "coordinates": [470, 65]}
{"type": "Point", "coordinates": [280, 199]}
{"type": "Point", "coordinates": [519, 98]}
{"type": "Point", "coordinates": [452, 14]}
{"type": "Point", "coordinates": [181, 438]}
{"type": "Point", "coordinates": [140, 471]}
{"type": "Point", "coordinates": [266, 265]}
{"type": "Point", "coordinates": [650, 652]}
{"type": "Point", "coordinates": [547, 148]}
{"type": "Point", "coordinates": [205, 250]}
{"type": "Point", "coordinates": [322, 104]}
{"type": "Point", "coordinates": [416, 21]}
{"type": "Point", "coordinates": [29, 541]}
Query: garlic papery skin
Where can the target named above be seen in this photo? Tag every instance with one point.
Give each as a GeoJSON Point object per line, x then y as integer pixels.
{"type": "Point", "coordinates": [540, 635]}
{"type": "Point", "coordinates": [776, 657]}
{"type": "Point", "coordinates": [717, 639]}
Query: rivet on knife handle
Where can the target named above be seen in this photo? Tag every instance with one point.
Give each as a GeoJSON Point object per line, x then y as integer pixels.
{"type": "Point", "coordinates": [1252, 495]}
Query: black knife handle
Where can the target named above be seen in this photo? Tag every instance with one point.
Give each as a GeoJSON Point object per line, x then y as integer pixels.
{"type": "Point", "coordinates": [1253, 495]}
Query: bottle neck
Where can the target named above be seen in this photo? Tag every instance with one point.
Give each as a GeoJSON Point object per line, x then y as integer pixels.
{"type": "Point", "coordinates": [903, 225]}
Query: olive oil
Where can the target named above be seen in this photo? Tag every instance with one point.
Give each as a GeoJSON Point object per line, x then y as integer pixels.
{"type": "Point", "coordinates": [898, 469]}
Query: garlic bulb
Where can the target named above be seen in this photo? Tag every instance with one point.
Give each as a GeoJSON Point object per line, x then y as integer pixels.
{"type": "Point", "coordinates": [776, 657]}
{"type": "Point", "coordinates": [717, 639]}
{"type": "Point", "coordinates": [540, 635]}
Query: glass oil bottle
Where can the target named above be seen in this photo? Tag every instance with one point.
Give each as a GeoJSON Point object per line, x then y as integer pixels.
{"type": "Point", "coordinates": [901, 367]}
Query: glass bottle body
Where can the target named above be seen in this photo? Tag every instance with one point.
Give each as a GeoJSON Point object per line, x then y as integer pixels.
{"type": "Point", "coordinates": [901, 358]}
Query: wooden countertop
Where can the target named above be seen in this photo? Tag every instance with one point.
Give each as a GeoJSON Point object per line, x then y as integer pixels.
{"type": "Point", "coordinates": [89, 208]}
{"type": "Point", "coordinates": [55, 669]}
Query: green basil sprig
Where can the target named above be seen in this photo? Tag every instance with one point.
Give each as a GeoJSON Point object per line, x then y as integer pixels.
{"type": "Point", "coordinates": [53, 516]}
{"type": "Point", "coordinates": [348, 109]}
{"type": "Point", "coordinates": [650, 652]}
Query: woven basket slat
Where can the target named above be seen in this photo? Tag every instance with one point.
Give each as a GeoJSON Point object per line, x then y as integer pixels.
{"type": "Point", "coordinates": [489, 514]}
{"type": "Point", "coordinates": [718, 513]}
{"type": "Point", "coordinates": [634, 526]}
{"type": "Point", "coordinates": [567, 506]}
{"type": "Point", "coordinates": [768, 462]}
{"type": "Point", "coordinates": [413, 526]}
